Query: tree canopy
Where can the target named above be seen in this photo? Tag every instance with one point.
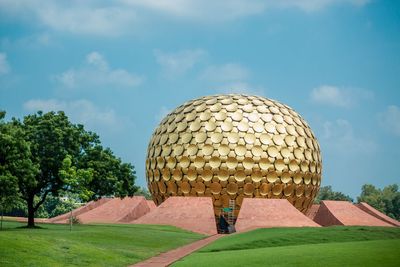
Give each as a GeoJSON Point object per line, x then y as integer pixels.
{"type": "Point", "coordinates": [386, 200]}
{"type": "Point", "coordinates": [46, 154]}
{"type": "Point", "coordinates": [326, 193]}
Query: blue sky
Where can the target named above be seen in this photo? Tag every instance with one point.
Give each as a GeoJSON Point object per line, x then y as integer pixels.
{"type": "Point", "coordinates": [119, 67]}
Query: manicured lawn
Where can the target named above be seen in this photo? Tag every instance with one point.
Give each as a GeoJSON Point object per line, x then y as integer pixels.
{"type": "Point", "coordinates": [330, 246]}
{"type": "Point", "coordinates": [87, 245]}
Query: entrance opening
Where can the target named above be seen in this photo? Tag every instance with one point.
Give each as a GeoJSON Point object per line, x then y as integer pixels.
{"type": "Point", "coordinates": [227, 219]}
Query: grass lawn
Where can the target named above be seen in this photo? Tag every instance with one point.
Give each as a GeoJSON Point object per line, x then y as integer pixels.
{"type": "Point", "coordinates": [87, 245]}
{"type": "Point", "coordinates": [328, 246]}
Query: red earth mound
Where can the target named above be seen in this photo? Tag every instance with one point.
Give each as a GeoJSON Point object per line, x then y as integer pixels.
{"type": "Point", "coordinates": [345, 213]}
{"type": "Point", "coordinates": [191, 213]}
{"type": "Point", "coordinates": [264, 213]}
{"type": "Point", "coordinates": [377, 214]}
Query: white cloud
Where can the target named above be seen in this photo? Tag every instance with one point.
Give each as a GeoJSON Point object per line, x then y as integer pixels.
{"type": "Point", "coordinates": [225, 73]}
{"type": "Point", "coordinates": [339, 97]}
{"type": "Point", "coordinates": [175, 64]}
{"type": "Point", "coordinates": [390, 119]}
{"type": "Point", "coordinates": [96, 72]}
{"type": "Point", "coordinates": [80, 111]}
{"type": "Point", "coordinates": [339, 136]}
{"type": "Point", "coordinates": [4, 66]}
{"type": "Point", "coordinates": [125, 16]}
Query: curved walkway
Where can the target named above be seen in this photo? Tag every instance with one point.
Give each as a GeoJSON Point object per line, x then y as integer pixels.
{"type": "Point", "coordinates": [169, 257]}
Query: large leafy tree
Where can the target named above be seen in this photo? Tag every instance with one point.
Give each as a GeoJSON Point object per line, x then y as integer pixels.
{"type": "Point", "coordinates": [60, 157]}
{"type": "Point", "coordinates": [326, 193]}
{"type": "Point", "coordinates": [387, 200]}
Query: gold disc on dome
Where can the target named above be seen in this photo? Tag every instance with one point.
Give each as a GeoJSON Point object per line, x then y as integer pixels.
{"type": "Point", "coordinates": [270, 127]}
{"type": "Point", "coordinates": [215, 162]}
{"type": "Point", "coordinates": [192, 175]}
{"type": "Point", "coordinates": [231, 162]}
{"type": "Point", "coordinates": [232, 188]}
{"type": "Point", "coordinates": [248, 163]}
{"type": "Point", "coordinates": [285, 177]}
{"type": "Point", "coordinates": [200, 187]}
{"type": "Point", "coordinates": [171, 187]}
{"type": "Point", "coordinates": [249, 138]}
{"type": "Point", "coordinates": [173, 137]}
{"type": "Point", "coordinates": [223, 150]}
{"type": "Point", "coordinates": [166, 175]}
{"type": "Point", "coordinates": [205, 116]}
{"type": "Point", "coordinates": [185, 187]}
{"type": "Point", "coordinates": [226, 126]}
{"type": "Point", "coordinates": [178, 150]}
{"type": "Point", "coordinates": [200, 137]}
{"type": "Point", "coordinates": [298, 153]}
{"type": "Point", "coordinates": [207, 175]}
{"type": "Point", "coordinates": [184, 162]}
{"type": "Point", "coordinates": [278, 118]}
{"type": "Point", "coordinates": [240, 176]}
{"type": "Point", "coordinates": [256, 176]}
{"type": "Point", "coordinates": [285, 152]}
{"type": "Point", "coordinates": [288, 191]}
{"type": "Point", "coordinates": [220, 116]}
{"type": "Point", "coordinates": [291, 130]}
{"type": "Point", "coordinates": [171, 162]}
{"type": "Point", "coordinates": [256, 151]}
{"type": "Point", "coordinates": [265, 188]}
{"type": "Point", "coordinates": [195, 126]}
{"type": "Point", "coordinates": [253, 117]}
{"type": "Point", "coordinates": [207, 149]}
{"type": "Point", "coordinates": [240, 150]}
{"type": "Point", "coordinates": [278, 140]}
{"type": "Point", "coordinates": [216, 107]}
{"type": "Point", "coordinates": [243, 126]}
{"type": "Point", "coordinates": [258, 127]}
{"type": "Point", "coordinates": [264, 164]}
{"type": "Point", "coordinates": [233, 138]}
{"type": "Point", "coordinates": [281, 129]}
{"type": "Point", "coordinates": [191, 116]}
{"type": "Point", "coordinates": [192, 150]}
{"type": "Point", "coordinates": [237, 116]}
{"type": "Point", "coordinates": [279, 165]}
{"type": "Point", "coordinates": [297, 179]}
{"type": "Point", "coordinates": [223, 175]}
{"type": "Point", "coordinates": [248, 189]}
{"type": "Point", "coordinates": [277, 189]}
{"type": "Point", "coordinates": [199, 162]}
{"type": "Point", "coordinates": [177, 175]}
{"type": "Point", "coordinates": [293, 165]}
{"type": "Point", "coordinates": [215, 188]}
{"type": "Point", "coordinates": [265, 139]}
{"type": "Point", "coordinates": [210, 126]}
{"type": "Point", "coordinates": [289, 140]}
{"type": "Point", "coordinates": [272, 176]}
{"type": "Point", "coordinates": [181, 126]}
{"type": "Point", "coordinates": [299, 190]}
{"type": "Point", "coordinates": [272, 151]}
{"type": "Point", "coordinates": [216, 138]}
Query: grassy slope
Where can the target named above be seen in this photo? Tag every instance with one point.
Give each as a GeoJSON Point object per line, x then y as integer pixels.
{"type": "Point", "coordinates": [87, 245]}
{"type": "Point", "coordinates": [330, 246]}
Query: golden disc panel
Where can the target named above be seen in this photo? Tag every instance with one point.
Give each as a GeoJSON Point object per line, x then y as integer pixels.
{"type": "Point", "coordinates": [234, 146]}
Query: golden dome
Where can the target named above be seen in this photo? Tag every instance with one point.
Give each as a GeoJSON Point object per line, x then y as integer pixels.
{"type": "Point", "coordinates": [233, 146]}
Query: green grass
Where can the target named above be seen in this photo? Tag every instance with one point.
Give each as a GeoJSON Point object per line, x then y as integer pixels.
{"type": "Point", "coordinates": [87, 245]}
{"type": "Point", "coordinates": [328, 246]}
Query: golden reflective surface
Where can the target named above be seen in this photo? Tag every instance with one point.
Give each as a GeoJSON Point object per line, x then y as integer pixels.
{"type": "Point", "coordinates": [232, 147]}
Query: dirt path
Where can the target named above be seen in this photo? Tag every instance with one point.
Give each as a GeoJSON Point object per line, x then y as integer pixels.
{"type": "Point", "coordinates": [169, 257]}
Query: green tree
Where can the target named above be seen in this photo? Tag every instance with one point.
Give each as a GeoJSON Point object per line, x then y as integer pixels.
{"type": "Point", "coordinates": [59, 158]}
{"type": "Point", "coordinates": [143, 191]}
{"type": "Point", "coordinates": [386, 200]}
{"type": "Point", "coordinates": [326, 193]}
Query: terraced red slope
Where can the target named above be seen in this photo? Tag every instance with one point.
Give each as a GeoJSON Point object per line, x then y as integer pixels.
{"type": "Point", "coordinates": [377, 214]}
{"type": "Point", "coordinates": [191, 213]}
{"type": "Point", "coordinates": [312, 211]}
{"type": "Point", "coordinates": [265, 213]}
{"type": "Point", "coordinates": [89, 206]}
{"type": "Point", "coordinates": [116, 210]}
{"type": "Point", "coordinates": [345, 213]}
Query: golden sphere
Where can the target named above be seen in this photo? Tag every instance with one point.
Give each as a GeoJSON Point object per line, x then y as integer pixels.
{"type": "Point", "coordinates": [229, 147]}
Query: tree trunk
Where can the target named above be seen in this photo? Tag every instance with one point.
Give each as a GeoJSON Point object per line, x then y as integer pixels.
{"type": "Point", "coordinates": [31, 213]}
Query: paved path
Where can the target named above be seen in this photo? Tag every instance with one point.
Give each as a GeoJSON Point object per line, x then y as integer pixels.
{"type": "Point", "coordinates": [169, 257]}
